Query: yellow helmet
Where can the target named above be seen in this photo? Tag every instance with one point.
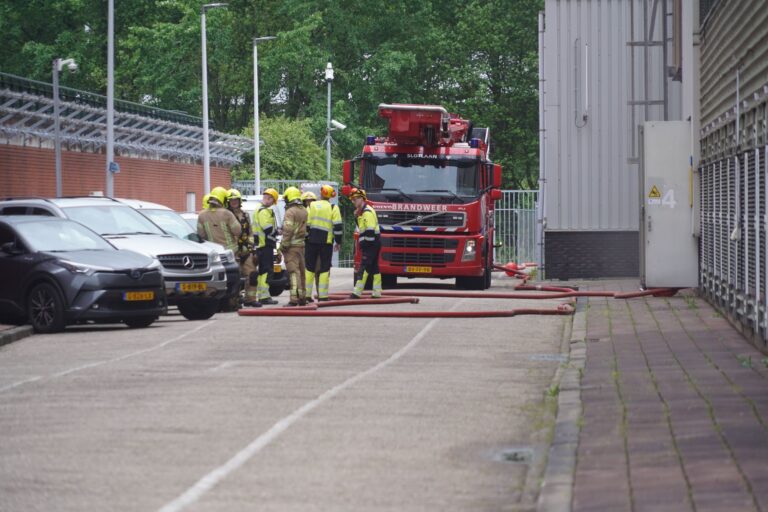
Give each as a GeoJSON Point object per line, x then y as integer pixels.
{"type": "Point", "coordinates": [206, 197]}
{"type": "Point", "coordinates": [233, 193]}
{"type": "Point", "coordinates": [327, 192]}
{"type": "Point", "coordinates": [358, 192]}
{"type": "Point", "coordinates": [291, 194]}
{"type": "Point", "coordinates": [220, 194]}
{"type": "Point", "coordinates": [308, 196]}
{"type": "Point", "coordinates": [271, 192]}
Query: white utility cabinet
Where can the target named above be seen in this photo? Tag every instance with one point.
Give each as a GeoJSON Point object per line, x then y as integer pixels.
{"type": "Point", "coordinates": [669, 255]}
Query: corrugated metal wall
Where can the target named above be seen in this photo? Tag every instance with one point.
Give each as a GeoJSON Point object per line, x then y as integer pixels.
{"type": "Point", "coordinates": [733, 37]}
{"type": "Point", "coordinates": [590, 76]}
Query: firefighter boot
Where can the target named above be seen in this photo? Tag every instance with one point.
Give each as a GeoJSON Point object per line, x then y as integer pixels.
{"type": "Point", "coordinates": [357, 293]}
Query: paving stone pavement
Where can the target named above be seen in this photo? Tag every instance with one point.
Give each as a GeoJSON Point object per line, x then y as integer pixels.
{"type": "Point", "coordinates": [675, 409]}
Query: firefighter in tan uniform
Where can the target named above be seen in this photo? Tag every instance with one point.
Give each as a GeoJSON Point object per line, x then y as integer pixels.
{"type": "Point", "coordinates": [292, 244]}
{"type": "Point", "coordinates": [245, 250]}
{"type": "Point", "coordinates": [217, 224]}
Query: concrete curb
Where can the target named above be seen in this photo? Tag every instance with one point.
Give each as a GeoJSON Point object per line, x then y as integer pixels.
{"type": "Point", "coordinates": [15, 334]}
{"type": "Point", "coordinates": [557, 489]}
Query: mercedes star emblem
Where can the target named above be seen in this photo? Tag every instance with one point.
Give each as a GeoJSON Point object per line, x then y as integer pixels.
{"type": "Point", "coordinates": [187, 262]}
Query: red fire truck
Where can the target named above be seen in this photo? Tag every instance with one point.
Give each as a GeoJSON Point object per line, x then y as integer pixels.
{"type": "Point", "coordinates": [433, 187]}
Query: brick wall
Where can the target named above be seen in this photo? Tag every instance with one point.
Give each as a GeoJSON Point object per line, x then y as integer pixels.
{"type": "Point", "coordinates": [591, 254]}
{"type": "Point", "coordinates": [29, 171]}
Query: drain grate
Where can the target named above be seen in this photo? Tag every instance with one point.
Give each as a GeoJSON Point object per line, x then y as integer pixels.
{"type": "Point", "coordinates": [516, 455]}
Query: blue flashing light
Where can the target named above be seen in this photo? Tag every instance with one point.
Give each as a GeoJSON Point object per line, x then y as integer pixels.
{"type": "Point", "coordinates": [370, 140]}
{"type": "Point", "coordinates": [474, 143]}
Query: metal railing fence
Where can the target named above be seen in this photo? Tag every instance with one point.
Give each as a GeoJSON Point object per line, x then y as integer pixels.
{"type": "Point", "coordinates": [516, 227]}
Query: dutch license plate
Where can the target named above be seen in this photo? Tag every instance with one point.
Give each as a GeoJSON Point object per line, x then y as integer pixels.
{"type": "Point", "coordinates": [131, 296]}
{"type": "Point", "coordinates": [418, 270]}
{"type": "Point", "coordinates": [277, 269]}
{"type": "Point", "coordinates": [191, 287]}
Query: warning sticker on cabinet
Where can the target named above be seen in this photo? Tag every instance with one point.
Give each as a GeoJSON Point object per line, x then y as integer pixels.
{"type": "Point", "coordinates": [654, 193]}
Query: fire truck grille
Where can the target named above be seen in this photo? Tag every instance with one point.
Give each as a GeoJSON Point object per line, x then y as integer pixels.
{"type": "Point", "coordinates": [406, 242]}
{"type": "Point", "coordinates": [184, 261]}
{"type": "Point", "coordinates": [421, 219]}
{"type": "Point", "coordinates": [417, 258]}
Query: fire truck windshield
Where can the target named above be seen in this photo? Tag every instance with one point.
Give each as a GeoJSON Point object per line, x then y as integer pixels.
{"type": "Point", "coordinates": [406, 178]}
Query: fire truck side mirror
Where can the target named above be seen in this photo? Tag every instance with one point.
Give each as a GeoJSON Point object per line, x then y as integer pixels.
{"type": "Point", "coordinates": [496, 194]}
{"type": "Point", "coordinates": [347, 171]}
{"type": "Point", "coordinates": [496, 176]}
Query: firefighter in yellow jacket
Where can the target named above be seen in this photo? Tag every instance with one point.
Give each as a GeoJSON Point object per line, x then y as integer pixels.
{"type": "Point", "coordinates": [265, 239]}
{"type": "Point", "coordinates": [325, 232]}
{"type": "Point", "coordinates": [292, 245]}
{"type": "Point", "coordinates": [370, 243]}
{"type": "Point", "coordinates": [217, 224]}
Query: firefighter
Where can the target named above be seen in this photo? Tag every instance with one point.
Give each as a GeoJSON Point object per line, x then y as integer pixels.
{"type": "Point", "coordinates": [265, 239]}
{"type": "Point", "coordinates": [307, 198]}
{"type": "Point", "coordinates": [325, 227]}
{"type": "Point", "coordinates": [292, 245]}
{"type": "Point", "coordinates": [217, 224]}
{"type": "Point", "coordinates": [370, 243]}
{"type": "Point", "coordinates": [245, 251]}
{"type": "Point", "coordinates": [206, 197]}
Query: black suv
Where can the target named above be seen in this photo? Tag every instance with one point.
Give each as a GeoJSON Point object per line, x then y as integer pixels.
{"type": "Point", "coordinates": [55, 272]}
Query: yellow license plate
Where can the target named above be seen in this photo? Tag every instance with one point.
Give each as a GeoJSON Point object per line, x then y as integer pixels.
{"type": "Point", "coordinates": [278, 269]}
{"type": "Point", "coordinates": [418, 270]}
{"type": "Point", "coordinates": [139, 296]}
{"type": "Point", "coordinates": [191, 287]}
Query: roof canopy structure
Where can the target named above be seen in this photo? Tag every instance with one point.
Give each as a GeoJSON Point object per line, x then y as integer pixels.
{"type": "Point", "coordinates": [26, 118]}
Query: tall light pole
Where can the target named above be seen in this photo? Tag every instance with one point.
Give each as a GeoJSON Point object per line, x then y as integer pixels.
{"type": "Point", "coordinates": [206, 144]}
{"type": "Point", "coordinates": [328, 79]}
{"type": "Point", "coordinates": [58, 65]}
{"type": "Point", "coordinates": [111, 166]}
{"type": "Point", "coordinates": [256, 141]}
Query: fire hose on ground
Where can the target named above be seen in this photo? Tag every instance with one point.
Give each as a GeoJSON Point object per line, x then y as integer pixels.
{"type": "Point", "coordinates": [327, 308]}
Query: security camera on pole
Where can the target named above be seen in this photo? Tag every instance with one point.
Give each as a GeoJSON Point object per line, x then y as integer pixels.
{"type": "Point", "coordinates": [58, 65]}
{"type": "Point", "coordinates": [331, 124]}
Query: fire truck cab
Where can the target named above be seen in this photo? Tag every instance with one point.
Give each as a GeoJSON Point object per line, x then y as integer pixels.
{"type": "Point", "coordinates": [433, 187]}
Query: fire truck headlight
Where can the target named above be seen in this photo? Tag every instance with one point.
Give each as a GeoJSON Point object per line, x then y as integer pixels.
{"type": "Point", "coordinates": [470, 251]}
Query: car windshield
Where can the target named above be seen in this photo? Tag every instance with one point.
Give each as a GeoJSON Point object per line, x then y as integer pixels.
{"type": "Point", "coordinates": [171, 222]}
{"type": "Point", "coordinates": [61, 236]}
{"type": "Point", "coordinates": [403, 178]}
{"type": "Point", "coordinates": [113, 220]}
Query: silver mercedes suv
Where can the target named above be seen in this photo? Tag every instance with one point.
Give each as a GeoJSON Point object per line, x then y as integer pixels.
{"type": "Point", "coordinates": [195, 278]}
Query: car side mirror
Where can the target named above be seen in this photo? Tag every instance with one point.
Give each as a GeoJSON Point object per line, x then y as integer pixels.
{"type": "Point", "coordinates": [11, 248]}
{"type": "Point", "coordinates": [496, 176]}
{"type": "Point", "coordinates": [195, 238]}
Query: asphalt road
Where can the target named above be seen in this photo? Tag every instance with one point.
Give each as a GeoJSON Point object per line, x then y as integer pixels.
{"type": "Point", "coordinates": [280, 414]}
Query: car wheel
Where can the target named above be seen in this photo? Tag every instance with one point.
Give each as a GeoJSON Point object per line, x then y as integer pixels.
{"type": "Point", "coordinates": [198, 309]}
{"type": "Point", "coordinates": [45, 307]}
{"type": "Point", "coordinates": [140, 321]}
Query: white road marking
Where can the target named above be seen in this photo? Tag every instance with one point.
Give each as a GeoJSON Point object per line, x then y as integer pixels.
{"type": "Point", "coordinates": [19, 383]}
{"type": "Point", "coordinates": [108, 361]}
{"type": "Point", "coordinates": [213, 478]}
{"type": "Point", "coordinates": [225, 364]}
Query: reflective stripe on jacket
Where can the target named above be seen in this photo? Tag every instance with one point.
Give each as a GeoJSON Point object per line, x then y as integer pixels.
{"type": "Point", "coordinates": [294, 226]}
{"type": "Point", "coordinates": [264, 229]}
{"type": "Point", "coordinates": [368, 225]}
{"type": "Point", "coordinates": [220, 226]}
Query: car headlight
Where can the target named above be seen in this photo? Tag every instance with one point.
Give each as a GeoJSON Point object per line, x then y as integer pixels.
{"type": "Point", "coordinates": [470, 251]}
{"type": "Point", "coordinates": [227, 256]}
{"type": "Point", "coordinates": [215, 257]}
{"type": "Point", "coordinates": [155, 265]}
{"type": "Point", "coordinates": [80, 268]}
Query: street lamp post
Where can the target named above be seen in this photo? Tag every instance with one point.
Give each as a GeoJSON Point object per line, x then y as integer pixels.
{"type": "Point", "coordinates": [206, 144]}
{"type": "Point", "coordinates": [58, 65]}
{"type": "Point", "coordinates": [328, 79]}
{"type": "Point", "coordinates": [256, 141]}
{"type": "Point", "coordinates": [111, 166]}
